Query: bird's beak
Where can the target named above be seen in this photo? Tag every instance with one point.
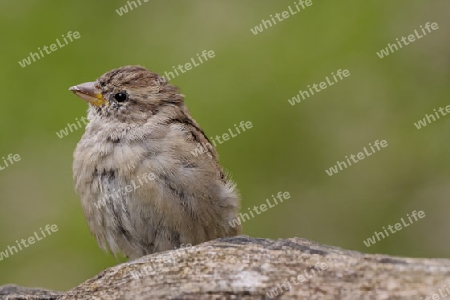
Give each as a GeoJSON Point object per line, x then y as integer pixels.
{"type": "Point", "coordinates": [89, 92]}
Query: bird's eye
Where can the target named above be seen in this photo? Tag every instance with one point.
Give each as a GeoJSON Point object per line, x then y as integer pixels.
{"type": "Point", "coordinates": [120, 97]}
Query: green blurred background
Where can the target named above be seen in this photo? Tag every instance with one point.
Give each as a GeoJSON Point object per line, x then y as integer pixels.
{"type": "Point", "coordinates": [250, 79]}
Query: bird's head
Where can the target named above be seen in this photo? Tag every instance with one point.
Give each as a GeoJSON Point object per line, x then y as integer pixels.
{"type": "Point", "coordinates": [128, 93]}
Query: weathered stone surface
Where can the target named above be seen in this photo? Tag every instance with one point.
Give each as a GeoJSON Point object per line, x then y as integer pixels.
{"type": "Point", "coordinates": [11, 292]}
{"type": "Point", "coordinates": [250, 268]}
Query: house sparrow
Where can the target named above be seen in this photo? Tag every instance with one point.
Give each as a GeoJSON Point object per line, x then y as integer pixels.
{"type": "Point", "coordinates": [139, 125]}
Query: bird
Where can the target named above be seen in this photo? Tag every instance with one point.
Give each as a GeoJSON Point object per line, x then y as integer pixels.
{"type": "Point", "coordinates": [143, 187]}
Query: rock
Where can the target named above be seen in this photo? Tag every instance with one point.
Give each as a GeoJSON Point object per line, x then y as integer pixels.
{"type": "Point", "coordinates": [11, 292]}
{"type": "Point", "coordinates": [251, 268]}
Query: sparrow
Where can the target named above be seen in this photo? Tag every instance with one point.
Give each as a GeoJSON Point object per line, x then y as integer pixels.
{"type": "Point", "coordinates": [141, 187]}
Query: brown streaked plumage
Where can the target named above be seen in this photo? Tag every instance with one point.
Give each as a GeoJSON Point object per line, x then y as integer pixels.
{"type": "Point", "coordinates": [141, 187]}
